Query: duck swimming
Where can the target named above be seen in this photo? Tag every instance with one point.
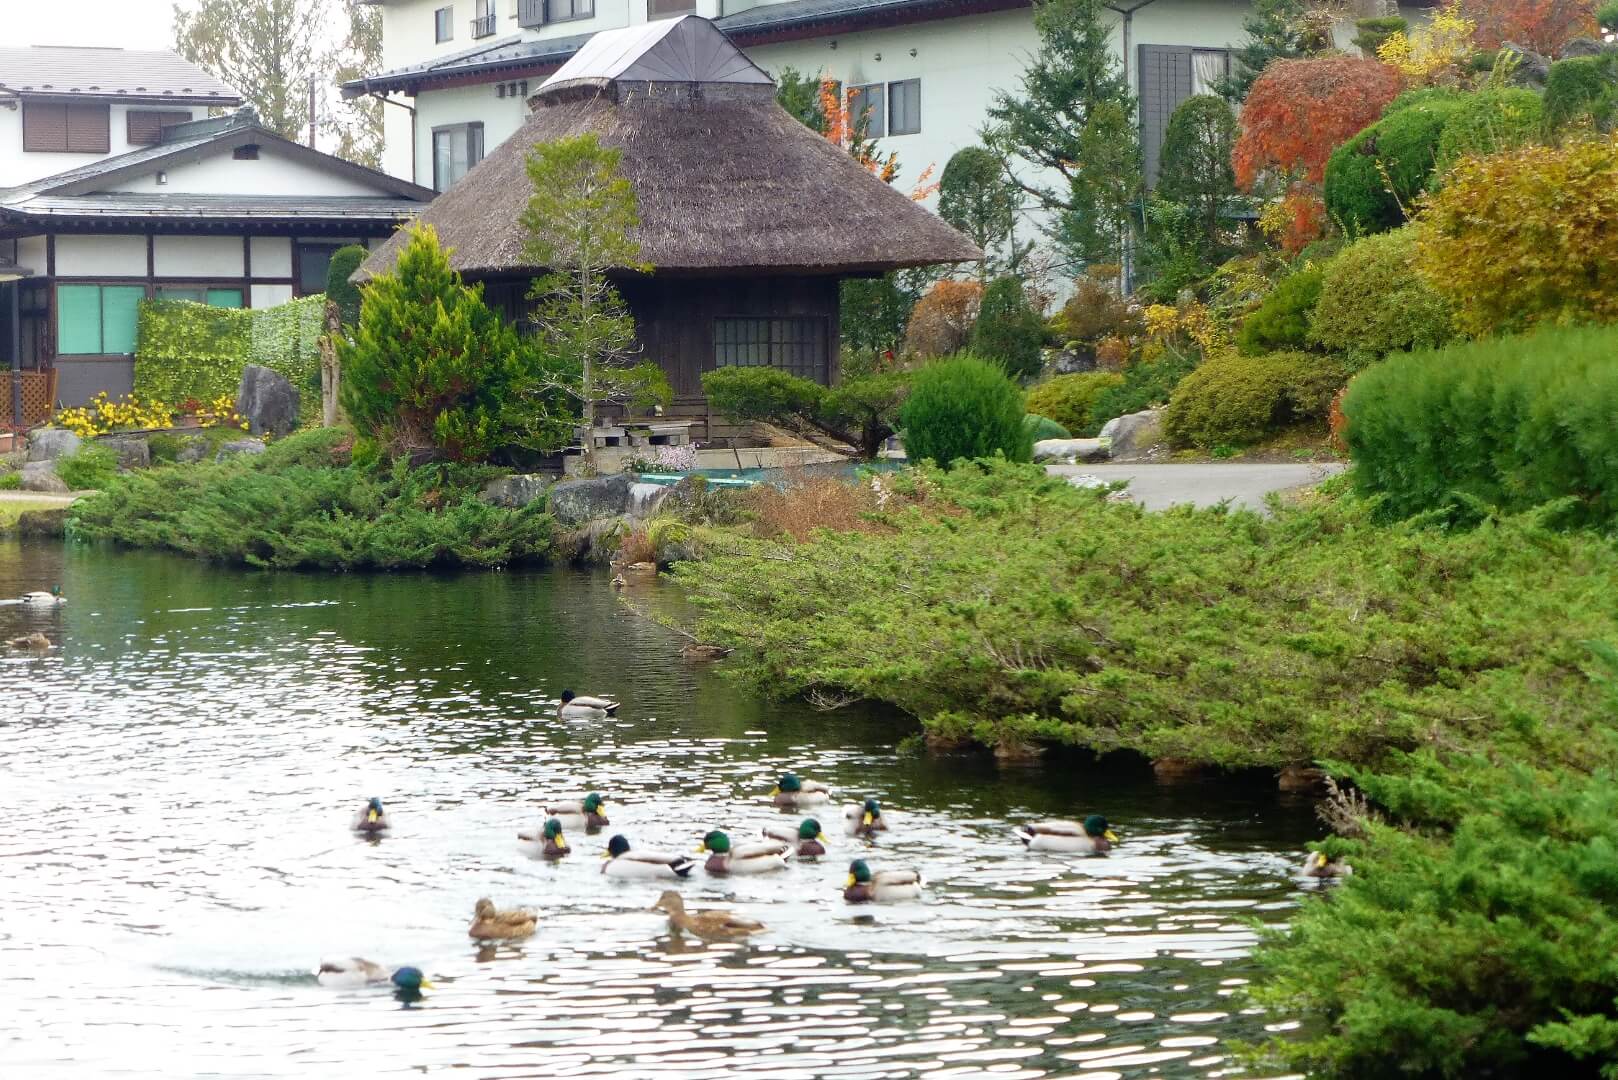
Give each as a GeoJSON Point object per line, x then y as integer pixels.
{"type": "Point", "coordinates": [373, 819]}
{"type": "Point", "coordinates": [1320, 865]}
{"type": "Point", "coordinates": [709, 925]}
{"type": "Point", "coordinates": [808, 842]}
{"type": "Point", "coordinates": [622, 862]}
{"type": "Point", "coordinates": [36, 641]}
{"type": "Point", "coordinates": [44, 599]}
{"type": "Point", "coordinates": [794, 792]}
{"type": "Point", "coordinates": [864, 819]}
{"type": "Point", "coordinates": [553, 845]}
{"type": "Point", "coordinates": [356, 971]}
{"type": "Point", "coordinates": [490, 923]}
{"type": "Point", "coordinates": [588, 813]}
{"type": "Point", "coordinates": [1094, 836]}
{"type": "Point", "coordinates": [581, 707]}
{"type": "Point", "coordinates": [747, 859]}
{"type": "Point", "coordinates": [866, 886]}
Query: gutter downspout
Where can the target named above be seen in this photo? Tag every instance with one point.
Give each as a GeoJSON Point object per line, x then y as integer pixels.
{"type": "Point", "coordinates": [411, 109]}
{"type": "Point", "coordinates": [1127, 17]}
{"type": "Point", "coordinates": [16, 356]}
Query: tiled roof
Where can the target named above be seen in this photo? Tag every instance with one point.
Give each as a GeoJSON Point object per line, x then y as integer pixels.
{"type": "Point", "coordinates": [181, 205]}
{"type": "Point", "coordinates": [137, 74]}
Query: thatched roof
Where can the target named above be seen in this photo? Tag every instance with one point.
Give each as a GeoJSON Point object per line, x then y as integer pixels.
{"type": "Point", "coordinates": [727, 181]}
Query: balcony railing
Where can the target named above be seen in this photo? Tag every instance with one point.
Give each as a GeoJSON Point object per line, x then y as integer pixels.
{"type": "Point", "coordinates": [483, 26]}
{"type": "Point", "coordinates": [530, 12]}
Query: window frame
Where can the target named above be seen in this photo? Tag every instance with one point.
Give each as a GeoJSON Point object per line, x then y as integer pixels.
{"type": "Point", "coordinates": [444, 24]}
{"type": "Point", "coordinates": [69, 110]}
{"type": "Point", "coordinates": [298, 248]}
{"type": "Point", "coordinates": [101, 313]}
{"type": "Point", "coordinates": [574, 6]}
{"type": "Point", "coordinates": [893, 127]}
{"type": "Point", "coordinates": [819, 365]}
{"type": "Point", "coordinates": [485, 18]}
{"type": "Point", "coordinates": [654, 15]}
{"type": "Point", "coordinates": [134, 134]}
{"type": "Point", "coordinates": [203, 287]}
{"type": "Point", "coordinates": [876, 111]}
{"type": "Point", "coordinates": [464, 131]}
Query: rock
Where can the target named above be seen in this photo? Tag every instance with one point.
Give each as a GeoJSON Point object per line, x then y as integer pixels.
{"type": "Point", "coordinates": [1133, 436]}
{"type": "Point", "coordinates": [574, 502]}
{"type": "Point", "coordinates": [132, 450]}
{"type": "Point", "coordinates": [192, 452]}
{"type": "Point", "coordinates": [1070, 450]}
{"type": "Point", "coordinates": [515, 491]}
{"type": "Point", "coordinates": [267, 401]}
{"type": "Point", "coordinates": [1302, 779]}
{"type": "Point", "coordinates": [1532, 69]}
{"type": "Point", "coordinates": [1583, 46]}
{"type": "Point", "coordinates": [49, 524]}
{"type": "Point", "coordinates": [1017, 752]}
{"type": "Point", "coordinates": [48, 444]}
{"type": "Point", "coordinates": [41, 476]}
{"type": "Point", "coordinates": [1085, 480]}
{"type": "Point", "coordinates": [1073, 361]}
{"type": "Point", "coordinates": [1172, 770]}
{"type": "Point", "coordinates": [238, 447]}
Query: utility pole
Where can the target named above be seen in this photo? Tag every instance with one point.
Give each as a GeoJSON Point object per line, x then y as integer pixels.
{"type": "Point", "coordinates": [311, 112]}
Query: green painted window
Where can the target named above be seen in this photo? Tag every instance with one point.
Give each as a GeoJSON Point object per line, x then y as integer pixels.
{"type": "Point", "coordinates": [225, 298]}
{"type": "Point", "coordinates": [94, 320]}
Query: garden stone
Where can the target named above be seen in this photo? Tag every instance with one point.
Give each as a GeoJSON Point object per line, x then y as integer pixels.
{"type": "Point", "coordinates": [267, 401]}
{"type": "Point", "coordinates": [41, 476]}
{"type": "Point", "coordinates": [50, 524]}
{"type": "Point", "coordinates": [1070, 450]}
{"type": "Point", "coordinates": [1074, 361]}
{"type": "Point", "coordinates": [515, 491]}
{"type": "Point", "coordinates": [48, 444]}
{"type": "Point", "coordinates": [237, 447]}
{"type": "Point", "coordinates": [132, 450]}
{"type": "Point", "coordinates": [192, 452]}
{"type": "Point", "coordinates": [1583, 46]}
{"type": "Point", "coordinates": [1532, 69]}
{"type": "Point", "coordinates": [574, 502]}
{"type": "Point", "coordinates": [1133, 436]}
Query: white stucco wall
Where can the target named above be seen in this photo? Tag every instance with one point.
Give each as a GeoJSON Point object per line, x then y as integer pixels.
{"type": "Point", "coordinates": [18, 167]}
{"type": "Point", "coordinates": [501, 117]}
{"type": "Point", "coordinates": [101, 256]}
{"type": "Point", "coordinates": [271, 174]}
{"type": "Point", "coordinates": [31, 253]}
{"type": "Point", "coordinates": [272, 256]}
{"type": "Point", "coordinates": [199, 257]}
{"type": "Point", "coordinates": [263, 296]}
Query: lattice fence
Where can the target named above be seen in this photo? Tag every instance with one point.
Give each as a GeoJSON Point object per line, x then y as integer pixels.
{"type": "Point", "coordinates": [38, 396]}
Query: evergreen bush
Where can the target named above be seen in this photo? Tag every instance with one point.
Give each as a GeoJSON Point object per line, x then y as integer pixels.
{"type": "Point", "coordinates": [1490, 121]}
{"type": "Point", "coordinates": [861, 410]}
{"type": "Point", "coordinates": [1070, 400]}
{"type": "Point", "coordinates": [341, 291]}
{"type": "Point", "coordinates": [1237, 400]}
{"type": "Point", "coordinates": [91, 468]}
{"type": "Point", "coordinates": [964, 408]}
{"type": "Point", "coordinates": [1373, 301]}
{"type": "Point", "coordinates": [1008, 329]}
{"type": "Point", "coordinates": [1043, 427]}
{"type": "Point", "coordinates": [1582, 89]}
{"type": "Point", "coordinates": [1282, 320]}
{"type": "Point", "coordinates": [189, 350]}
{"type": "Point", "coordinates": [1146, 383]}
{"type": "Point", "coordinates": [1374, 180]}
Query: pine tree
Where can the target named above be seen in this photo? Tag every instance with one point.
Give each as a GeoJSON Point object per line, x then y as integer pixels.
{"type": "Point", "coordinates": [1276, 30]}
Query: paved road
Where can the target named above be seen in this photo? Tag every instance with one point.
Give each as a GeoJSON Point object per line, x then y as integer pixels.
{"type": "Point", "coordinates": [1157, 486]}
{"type": "Point", "coordinates": [41, 497]}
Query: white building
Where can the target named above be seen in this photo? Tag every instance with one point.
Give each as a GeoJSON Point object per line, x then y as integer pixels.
{"type": "Point", "coordinates": [119, 189]}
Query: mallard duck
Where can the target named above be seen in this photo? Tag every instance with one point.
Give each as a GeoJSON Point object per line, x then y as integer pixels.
{"type": "Point", "coordinates": [794, 792]}
{"type": "Point", "coordinates": [373, 819]}
{"type": "Point", "coordinates": [1320, 865]}
{"type": "Point", "coordinates": [43, 599]}
{"type": "Point", "coordinates": [809, 842]}
{"type": "Point", "coordinates": [357, 971]}
{"type": "Point", "coordinates": [553, 845]}
{"type": "Point", "coordinates": [1094, 836]}
{"type": "Point", "coordinates": [747, 859]}
{"type": "Point", "coordinates": [36, 641]}
{"type": "Point", "coordinates": [588, 813]}
{"type": "Point", "coordinates": [711, 925]}
{"type": "Point", "coordinates": [576, 706]}
{"type": "Point", "coordinates": [621, 862]}
{"type": "Point", "coordinates": [865, 886]}
{"type": "Point", "coordinates": [696, 650]}
{"type": "Point", "coordinates": [490, 923]}
{"type": "Point", "coordinates": [864, 819]}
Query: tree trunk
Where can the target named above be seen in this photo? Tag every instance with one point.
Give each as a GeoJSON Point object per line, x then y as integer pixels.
{"type": "Point", "coordinates": [329, 373]}
{"type": "Point", "coordinates": [588, 409]}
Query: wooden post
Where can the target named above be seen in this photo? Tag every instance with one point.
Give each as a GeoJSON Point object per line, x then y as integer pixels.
{"type": "Point", "coordinates": [329, 372]}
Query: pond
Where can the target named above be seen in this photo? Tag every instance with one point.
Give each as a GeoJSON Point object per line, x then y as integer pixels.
{"type": "Point", "coordinates": [181, 771]}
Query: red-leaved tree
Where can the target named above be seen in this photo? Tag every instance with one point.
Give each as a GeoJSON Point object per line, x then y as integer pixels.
{"type": "Point", "coordinates": [1542, 25]}
{"type": "Point", "coordinates": [1299, 111]}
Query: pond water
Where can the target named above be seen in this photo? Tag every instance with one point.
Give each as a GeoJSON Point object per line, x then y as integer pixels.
{"type": "Point", "coordinates": [181, 770]}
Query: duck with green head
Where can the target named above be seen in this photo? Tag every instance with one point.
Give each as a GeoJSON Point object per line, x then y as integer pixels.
{"type": "Point", "coordinates": [1094, 836]}
{"type": "Point", "coordinates": [746, 859]}
{"type": "Point", "coordinates": [573, 706]}
{"type": "Point", "coordinates": [624, 863]}
{"type": "Point", "coordinates": [552, 844]}
{"type": "Point", "coordinates": [372, 819]}
{"type": "Point", "coordinates": [793, 791]}
{"type": "Point", "coordinates": [864, 819]}
{"type": "Point", "coordinates": [808, 841]}
{"type": "Point", "coordinates": [1323, 867]}
{"type": "Point", "coordinates": [588, 813]}
{"type": "Point", "coordinates": [44, 599]}
{"type": "Point", "coordinates": [353, 971]}
{"type": "Point", "coordinates": [866, 886]}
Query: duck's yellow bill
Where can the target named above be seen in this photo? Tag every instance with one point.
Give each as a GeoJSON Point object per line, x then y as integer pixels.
{"type": "Point", "coordinates": [774, 791]}
{"type": "Point", "coordinates": [701, 848]}
{"type": "Point", "coordinates": [821, 837]}
{"type": "Point", "coordinates": [426, 984]}
{"type": "Point", "coordinates": [370, 816]}
{"type": "Point", "coordinates": [868, 817]}
{"type": "Point", "coordinates": [849, 884]}
{"type": "Point", "coordinates": [1320, 859]}
{"type": "Point", "coordinates": [1111, 836]}
{"type": "Point", "coordinates": [561, 841]}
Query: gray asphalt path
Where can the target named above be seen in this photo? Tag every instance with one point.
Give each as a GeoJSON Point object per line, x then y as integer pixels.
{"type": "Point", "coordinates": [1157, 486]}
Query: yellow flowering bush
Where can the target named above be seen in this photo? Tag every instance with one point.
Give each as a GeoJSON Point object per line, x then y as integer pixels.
{"type": "Point", "coordinates": [222, 413]}
{"type": "Point", "coordinates": [104, 414]}
{"type": "Point", "coordinates": [1433, 54]}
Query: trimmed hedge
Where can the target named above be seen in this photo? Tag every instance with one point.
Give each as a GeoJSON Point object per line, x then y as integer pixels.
{"type": "Point", "coordinates": [1490, 121]}
{"type": "Point", "coordinates": [1511, 423]}
{"type": "Point", "coordinates": [189, 350]}
{"type": "Point", "coordinates": [1582, 88]}
{"type": "Point", "coordinates": [1373, 302]}
{"type": "Point", "coordinates": [1070, 400]}
{"type": "Point", "coordinates": [1282, 320]}
{"type": "Point", "coordinates": [1374, 179]}
{"type": "Point", "coordinates": [1009, 331]}
{"type": "Point", "coordinates": [1236, 400]}
{"type": "Point", "coordinates": [963, 408]}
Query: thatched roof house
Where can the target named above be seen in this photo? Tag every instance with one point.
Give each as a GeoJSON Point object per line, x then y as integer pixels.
{"type": "Point", "coordinates": [748, 217]}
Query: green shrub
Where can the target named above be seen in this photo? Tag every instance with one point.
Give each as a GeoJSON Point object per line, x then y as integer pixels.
{"type": "Point", "coordinates": [1282, 321]}
{"type": "Point", "coordinates": [10, 481]}
{"type": "Point", "coordinates": [91, 467]}
{"type": "Point", "coordinates": [1009, 331]}
{"type": "Point", "coordinates": [341, 291]}
{"type": "Point", "coordinates": [188, 350]}
{"type": "Point", "coordinates": [1511, 423]}
{"type": "Point", "coordinates": [964, 408]}
{"type": "Point", "coordinates": [1374, 180]}
{"type": "Point", "coordinates": [1070, 400]}
{"type": "Point", "coordinates": [1581, 89]}
{"type": "Point", "coordinates": [1236, 400]}
{"type": "Point", "coordinates": [1373, 302]}
{"type": "Point", "coordinates": [1607, 17]}
{"type": "Point", "coordinates": [861, 410]}
{"type": "Point", "coordinates": [164, 447]}
{"type": "Point", "coordinates": [1490, 121]}
{"type": "Point", "coordinates": [1043, 427]}
{"type": "Point", "coordinates": [1374, 31]}
{"type": "Point", "coordinates": [746, 394]}
{"type": "Point", "coordinates": [1146, 383]}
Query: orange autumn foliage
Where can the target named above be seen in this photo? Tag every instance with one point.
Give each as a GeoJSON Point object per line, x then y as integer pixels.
{"type": "Point", "coordinates": [1542, 25]}
{"type": "Point", "coordinates": [1299, 111]}
{"type": "Point", "coordinates": [846, 125]}
{"type": "Point", "coordinates": [941, 322]}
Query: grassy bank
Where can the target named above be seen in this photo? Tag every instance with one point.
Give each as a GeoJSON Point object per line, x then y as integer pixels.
{"type": "Point", "coordinates": [306, 504]}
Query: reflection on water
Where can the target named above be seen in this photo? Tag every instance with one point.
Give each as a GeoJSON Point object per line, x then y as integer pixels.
{"type": "Point", "coordinates": [181, 770]}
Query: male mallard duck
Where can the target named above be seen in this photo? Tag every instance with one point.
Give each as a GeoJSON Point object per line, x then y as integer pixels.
{"type": "Point", "coordinates": [711, 925]}
{"type": "Point", "coordinates": [578, 706]}
{"type": "Point", "coordinates": [1094, 836]}
{"type": "Point", "coordinates": [809, 842]}
{"type": "Point", "coordinates": [357, 971]}
{"type": "Point", "coordinates": [588, 813]}
{"type": "Point", "coordinates": [1320, 865]}
{"type": "Point", "coordinates": [489, 923]}
{"type": "Point", "coordinates": [793, 792]}
{"type": "Point", "coordinates": [36, 641]}
{"type": "Point", "coordinates": [748, 859]}
{"type": "Point", "coordinates": [864, 819]}
{"type": "Point", "coordinates": [44, 599]}
{"type": "Point", "coordinates": [882, 886]}
{"type": "Point", "coordinates": [553, 845]}
{"type": "Point", "coordinates": [373, 819]}
{"type": "Point", "coordinates": [621, 862]}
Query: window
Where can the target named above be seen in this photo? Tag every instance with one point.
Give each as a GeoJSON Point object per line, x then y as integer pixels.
{"type": "Point", "coordinates": [444, 23]}
{"type": "Point", "coordinates": [1168, 75]}
{"type": "Point", "coordinates": [1209, 68]}
{"type": "Point", "coordinates": [668, 9]}
{"type": "Point", "coordinates": [865, 102]}
{"type": "Point", "coordinates": [797, 346]}
{"type": "Point", "coordinates": [563, 10]}
{"type": "Point", "coordinates": [202, 294]}
{"type": "Point", "coordinates": [455, 150]}
{"type": "Point", "coordinates": [144, 127]}
{"type": "Point", "coordinates": [310, 263]}
{"type": "Point", "coordinates": [96, 320]}
{"type": "Point", "coordinates": [483, 19]}
{"type": "Point", "coordinates": [51, 127]}
{"type": "Point", "coordinates": [904, 107]}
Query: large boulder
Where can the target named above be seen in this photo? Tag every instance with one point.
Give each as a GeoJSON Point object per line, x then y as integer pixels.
{"type": "Point", "coordinates": [573, 502]}
{"type": "Point", "coordinates": [267, 401]}
{"type": "Point", "coordinates": [1532, 70]}
{"type": "Point", "coordinates": [132, 450]}
{"type": "Point", "coordinates": [515, 491]}
{"type": "Point", "coordinates": [192, 452]}
{"type": "Point", "coordinates": [1584, 46]}
{"type": "Point", "coordinates": [48, 524]}
{"type": "Point", "coordinates": [41, 476]}
{"type": "Point", "coordinates": [48, 444]}
{"type": "Point", "coordinates": [1070, 450]}
{"type": "Point", "coordinates": [1071, 361]}
{"type": "Point", "coordinates": [1133, 436]}
{"type": "Point", "coordinates": [239, 447]}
